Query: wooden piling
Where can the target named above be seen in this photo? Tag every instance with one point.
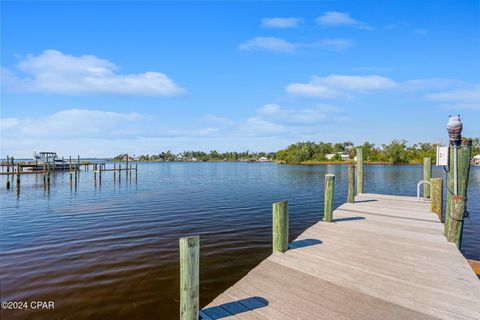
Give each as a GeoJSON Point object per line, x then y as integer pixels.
{"type": "Point", "coordinates": [427, 174]}
{"type": "Point", "coordinates": [126, 167]}
{"type": "Point", "coordinates": [436, 202]}
{"type": "Point", "coordinates": [119, 172]}
{"type": "Point", "coordinates": [189, 277]}
{"type": "Point", "coordinates": [114, 172]}
{"type": "Point", "coordinates": [328, 201]}
{"type": "Point", "coordinates": [280, 226]}
{"type": "Point", "coordinates": [78, 163]}
{"type": "Point", "coordinates": [8, 164]}
{"type": "Point", "coordinates": [359, 170]}
{"type": "Point", "coordinates": [464, 152]}
{"type": "Point", "coordinates": [351, 184]}
{"type": "Point", "coordinates": [18, 175]}
{"type": "Point", "coordinates": [457, 214]}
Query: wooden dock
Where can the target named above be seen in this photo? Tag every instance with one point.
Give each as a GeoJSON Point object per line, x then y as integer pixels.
{"type": "Point", "coordinates": [382, 257]}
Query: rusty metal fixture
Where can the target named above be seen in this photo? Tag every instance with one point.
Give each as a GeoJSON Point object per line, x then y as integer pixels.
{"type": "Point", "coordinates": [454, 128]}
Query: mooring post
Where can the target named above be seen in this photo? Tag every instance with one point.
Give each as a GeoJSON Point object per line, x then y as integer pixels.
{"type": "Point", "coordinates": [119, 172]}
{"type": "Point", "coordinates": [457, 213]}
{"type": "Point", "coordinates": [18, 175]}
{"type": "Point", "coordinates": [328, 201]}
{"type": "Point", "coordinates": [436, 203]}
{"type": "Point", "coordinates": [114, 171]}
{"type": "Point", "coordinates": [13, 164]}
{"type": "Point", "coordinates": [359, 170]}
{"type": "Point", "coordinates": [464, 152]}
{"type": "Point", "coordinates": [189, 277]}
{"type": "Point", "coordinates": [100, 175]}
{"type": "Point", "coordinates": [78, 163]}
{"type": "Point", "coordinates": [280, 226]}
{"type": "Point", "coordinates": [136, 171]}
{"type": "Point", "coordinates": [351, 184]}
{"type": "Point", "coordinates": [126, 167]}
{"type": "Point", "coordinates": [427, 175]}
{"type": "Point", "coordinates": [8, 164]}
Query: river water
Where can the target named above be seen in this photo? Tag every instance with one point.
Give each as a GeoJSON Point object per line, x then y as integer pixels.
{"type": "Point", "coordinates": [110, 251]}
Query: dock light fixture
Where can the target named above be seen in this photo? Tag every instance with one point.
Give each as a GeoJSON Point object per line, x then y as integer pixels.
{"type": "Point", "coordinates": [454, 128]}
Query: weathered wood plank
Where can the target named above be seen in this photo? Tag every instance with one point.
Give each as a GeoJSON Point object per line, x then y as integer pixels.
{"type": "Point", "coordinates": [382, 257]}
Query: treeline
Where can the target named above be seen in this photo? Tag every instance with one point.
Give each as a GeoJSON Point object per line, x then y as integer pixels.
{"type": "Point", "coordinates": [396, 152]}
{"type": "Point", "coordinates": [203, 156]}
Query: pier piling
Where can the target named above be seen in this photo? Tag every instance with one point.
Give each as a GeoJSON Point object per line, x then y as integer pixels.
{"type": "Point", "coordinates": [437, 197]}
{"type": "Point", "coordinates": [189, 277]}
{"type": "Point", "coordinates": [328, 201]}
{"type": "Point", "coordinates": [280, 226]}
{"type": "Point", "coordinates": [464, 152]}
{"type": "Point", "coordinates": [351, 184]}
{"type": "Point", "coordinates": [457, 213]}
{"type": "Point", "coordinates": [359, 170]}
{"type": "Point", "coordinates": [427, 175]}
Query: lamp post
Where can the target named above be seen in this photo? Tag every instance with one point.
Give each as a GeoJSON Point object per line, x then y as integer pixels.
{"type": "Point", "coordinates": [454, 128]}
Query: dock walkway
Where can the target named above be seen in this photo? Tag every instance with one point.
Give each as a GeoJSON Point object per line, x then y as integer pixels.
{"type": "Point", "coordinates": [383, 257]}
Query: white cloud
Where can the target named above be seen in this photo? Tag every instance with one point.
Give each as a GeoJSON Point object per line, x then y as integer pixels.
{"type": "Point", "coordinates": [281, 22]}
{"type": "Point", "coordinates": [282, 45]}
{"type": "Point", "coordinates": [337, 19]}
{"type": "Point", "coordinates": [73, 123]}
{"type": "Point", "coordinates": [55, 72]}
{"type": "Point", "coordinates": [466, 95]}
{"type": "Point", "coordinates": [337, 86]}
{"type": "Point", "coordinates": [217, 119]}
{"type": "Point", "coordinates": [268, 44]}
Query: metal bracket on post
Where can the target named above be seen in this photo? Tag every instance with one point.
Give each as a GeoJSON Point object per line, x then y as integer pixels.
{"type": "Point", "coordinates": [419, 184]}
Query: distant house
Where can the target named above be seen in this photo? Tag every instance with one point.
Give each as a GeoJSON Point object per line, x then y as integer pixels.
{"type": "Point", "coordinates": [263, 159]}
{"type": "Point", "coordinates": [476, 159]}
{"type": "Point", "coordinates": [344, 156]}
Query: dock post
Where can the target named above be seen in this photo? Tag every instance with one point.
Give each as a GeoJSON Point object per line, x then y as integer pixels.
{"type": "Point", "coordinates": [136, 171]}
{"type": "Point", "coordinates": [464, 152]}
{"type": "Point", "coordinates": [114, 171]}
{"type": "Point", "coordinates": [436, 202]}
{"type": "Point", "coordinates": [18, 175]}
{"type": "Point", "coordinates": [8, 164]}
{"type": "Point", "coordinates": [351, 184]}
{"type": "Point", "coordinates": [359, 170]}
{"type": "Point", "coordinates": [100, 175]}
{"type": "Point", "coordinates": [280, 226]}
{"type": "Point", "coordinates": [427, 175]}
{"type": "Point", "coordinates": [12, 161]}
{"type": "Point", "coordinates": [126, 167]}
{"type": "Point", "coordinates": [457, 214]}
{"type": "Point", "coordinates": [328, 201]}
{"type": "Point", "coordinates": [119, 173]}
{"type": "Point", "coordinates": [189, 277]}
{"type": "Point", "coordinates": [78, 163]}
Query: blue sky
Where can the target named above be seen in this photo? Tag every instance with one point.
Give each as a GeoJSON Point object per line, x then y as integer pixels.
{"type": "Point", "coordinates": [101, 78]}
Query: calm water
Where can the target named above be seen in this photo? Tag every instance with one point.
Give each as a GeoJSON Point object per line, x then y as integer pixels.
{"type": "Point", "coordinates": [111, 252]}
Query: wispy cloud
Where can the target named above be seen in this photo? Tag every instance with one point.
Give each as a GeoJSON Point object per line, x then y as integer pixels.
{"type": "Point", "coordinates": [268, 44]}
{"type": "Point", "coordinates": [338, 86]}
{"type": "Point", "coordinates": [281, 23]}
{"type": "Point", "coordinates": [340, 19]}
{"type": "Point", "coordinates": [53, 72]}
{"type": "Point", "coordinates": [281, 45]}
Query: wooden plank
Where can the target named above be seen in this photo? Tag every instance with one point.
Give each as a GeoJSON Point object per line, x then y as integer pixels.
{"type": "Point", "coordinates": [382, 257]}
